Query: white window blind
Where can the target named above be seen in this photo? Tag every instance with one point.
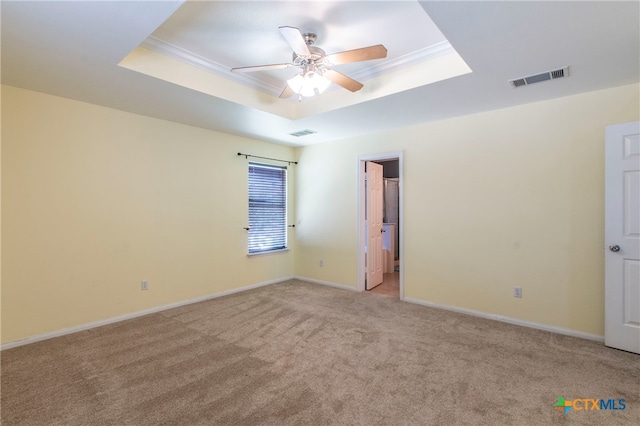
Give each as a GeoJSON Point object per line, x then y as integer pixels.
{"type": "Point", "coordinates": [267, 208]}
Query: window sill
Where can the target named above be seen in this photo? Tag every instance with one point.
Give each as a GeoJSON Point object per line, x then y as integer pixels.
{"type": "Point", "coordinates": [263, 253]}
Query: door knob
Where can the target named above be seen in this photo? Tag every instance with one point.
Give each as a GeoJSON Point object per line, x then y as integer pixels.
{"type": "Point", "coordinates": [615, 248]}
{"type": "Point", "coordinates": [382, 230]}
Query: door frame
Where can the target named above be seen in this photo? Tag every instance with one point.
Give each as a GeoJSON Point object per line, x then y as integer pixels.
{"type": "Point", "coordinates": [362, 159]}
{"type": "Point", "coordinates": [617, 333]}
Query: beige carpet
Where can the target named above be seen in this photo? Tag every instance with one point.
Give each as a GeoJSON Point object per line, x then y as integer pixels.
{"type": "Point", "coordinates": [299, 353]}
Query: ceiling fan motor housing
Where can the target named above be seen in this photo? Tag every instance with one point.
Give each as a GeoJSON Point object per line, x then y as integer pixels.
{"type": "Point", "coordinates": [317, 55]}
{"type": "Point", "coordinates": [309, 38]}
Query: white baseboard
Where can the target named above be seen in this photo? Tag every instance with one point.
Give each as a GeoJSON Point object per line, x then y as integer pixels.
{"type": "Point", "coordinates": [537, 326]}
{"type": "Point", "coordinates": [137, 314]}
{"type": "Point", "coordinates": [132, 315]}
{"type": "Point", "coordinates": [327, 283]}
{"type": "Point", "coordinates": [514, 321]}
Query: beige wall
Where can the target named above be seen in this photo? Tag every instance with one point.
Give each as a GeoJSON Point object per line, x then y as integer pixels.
{"type": "Point", "coordinates": [513, 197]}
{"type": "Point", "coordinates": [94, 200]}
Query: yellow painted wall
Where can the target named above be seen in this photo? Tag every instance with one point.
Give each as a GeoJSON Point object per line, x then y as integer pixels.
{"type": "Point", "coordinates": [512, 197]}
{"type": "Point", "coordinates": [94, 200]}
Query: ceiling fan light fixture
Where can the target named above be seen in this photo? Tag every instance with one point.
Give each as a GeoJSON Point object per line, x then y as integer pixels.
{"type": "Point", "coordinates": [316, 73]}
{"type": "Point", "coordinates": [308, 84]}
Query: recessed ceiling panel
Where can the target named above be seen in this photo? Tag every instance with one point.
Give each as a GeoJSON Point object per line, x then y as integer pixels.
{"type": "Point", "coordinates": [218, 36]}
{"type": "Point", "coordinates": [245, 33]}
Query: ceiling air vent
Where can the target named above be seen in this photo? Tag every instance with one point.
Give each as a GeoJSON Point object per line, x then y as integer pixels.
{"type": "Point", "coordinates": [302, 133]}
{"type": "Point", "coordinates": [548, 75]}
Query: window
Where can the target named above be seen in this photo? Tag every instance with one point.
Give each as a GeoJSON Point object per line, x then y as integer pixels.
{"type": "Point", "coordinates": [267, 208]}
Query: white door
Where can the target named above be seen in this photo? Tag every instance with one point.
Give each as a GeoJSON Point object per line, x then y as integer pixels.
{"type": "Point", "coordinates": [374, 225]}
{"type": "Point", "coordinates": [622, 237]}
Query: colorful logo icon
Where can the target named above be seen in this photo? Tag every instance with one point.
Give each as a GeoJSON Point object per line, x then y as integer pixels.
{"type": "Point", "coordinates": [563, 405]}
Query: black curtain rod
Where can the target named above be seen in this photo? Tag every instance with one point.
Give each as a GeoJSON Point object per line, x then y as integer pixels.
{"type": "Point", "coordinates": [267, 158]}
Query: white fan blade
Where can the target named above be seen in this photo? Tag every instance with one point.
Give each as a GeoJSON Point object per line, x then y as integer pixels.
{"type": "Point", "coordinates": [261, 68]}
{"type": "Point", "coordinates": [357, 55]}
{"type": "Point", "coordinates": [287, 92]}
{"type": "Point", "coordinates": [342, 80]}
{"type": "Point", "coordinates": [294, 38]}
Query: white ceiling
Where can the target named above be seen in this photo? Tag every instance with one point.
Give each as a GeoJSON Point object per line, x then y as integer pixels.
{"type": "Point", "coordinates": [171, 60]}
{"type": "Point", "coordinates": [200, 43]}
{"type": "Point", "coordinates": [235, 34]}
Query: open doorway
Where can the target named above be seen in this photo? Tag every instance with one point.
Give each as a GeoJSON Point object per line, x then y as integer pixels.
{"type": "Point", "coordinates": [388, 257]}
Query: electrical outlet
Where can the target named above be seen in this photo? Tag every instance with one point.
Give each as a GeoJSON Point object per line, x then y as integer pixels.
{"type": "Point", "coordinates": [517, 292]}
{"type": "Point", "coordinates": [321, 263]}
{"type": "Point", "coordinates": [144, 285]}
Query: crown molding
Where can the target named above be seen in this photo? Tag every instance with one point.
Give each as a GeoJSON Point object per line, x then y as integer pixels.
{"type": "Point", "coordinates": [404, 61]}
{"type": "Point", "coordinates": [164, 48]}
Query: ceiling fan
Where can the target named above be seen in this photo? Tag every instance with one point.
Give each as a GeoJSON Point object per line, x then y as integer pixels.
{"type": "Point", "coordinates": [316, 66]}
